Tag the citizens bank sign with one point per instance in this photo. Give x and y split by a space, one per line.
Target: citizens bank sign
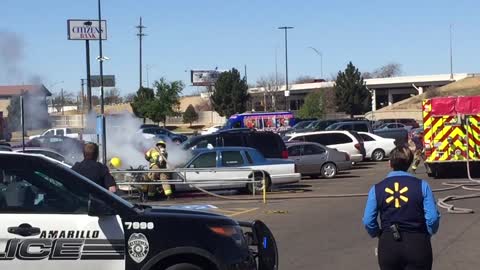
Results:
86 30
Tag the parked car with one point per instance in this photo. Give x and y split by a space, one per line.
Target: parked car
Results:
298 126
278 171
393 126
160 133
415 132
42 151
318 125
211 130
342 140
71 149
317 160
67 132
376 147
399 134
5 147
359 125
268 143
406 121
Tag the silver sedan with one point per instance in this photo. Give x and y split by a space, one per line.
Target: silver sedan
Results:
317 160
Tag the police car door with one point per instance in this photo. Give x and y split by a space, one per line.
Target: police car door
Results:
45 222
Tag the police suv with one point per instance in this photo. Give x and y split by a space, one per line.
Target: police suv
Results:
53 218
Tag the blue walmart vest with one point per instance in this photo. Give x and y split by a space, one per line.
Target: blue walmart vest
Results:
400 201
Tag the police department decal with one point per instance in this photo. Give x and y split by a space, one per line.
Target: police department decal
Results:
138 247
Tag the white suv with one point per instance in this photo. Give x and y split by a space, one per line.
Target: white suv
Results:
345 141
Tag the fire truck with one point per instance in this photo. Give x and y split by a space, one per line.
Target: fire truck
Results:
451 133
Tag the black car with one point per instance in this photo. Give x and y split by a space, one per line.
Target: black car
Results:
359 125
162 132
268 143
57 219
71 149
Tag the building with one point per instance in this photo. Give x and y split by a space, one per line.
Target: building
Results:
35 103
385 91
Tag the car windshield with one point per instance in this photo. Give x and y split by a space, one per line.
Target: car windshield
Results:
302 124
333 126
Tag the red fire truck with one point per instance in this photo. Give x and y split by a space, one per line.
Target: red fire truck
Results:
451 132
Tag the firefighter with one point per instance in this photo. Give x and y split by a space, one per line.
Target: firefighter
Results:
157 157
408 216
419 154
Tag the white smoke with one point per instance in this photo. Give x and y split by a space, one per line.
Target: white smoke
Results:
11 55
125 142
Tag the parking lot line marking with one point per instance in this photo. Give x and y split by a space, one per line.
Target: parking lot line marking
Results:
243 212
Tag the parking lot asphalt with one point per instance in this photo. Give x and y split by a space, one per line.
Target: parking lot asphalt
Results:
327 233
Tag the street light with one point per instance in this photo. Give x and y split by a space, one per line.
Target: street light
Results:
321 60
287 93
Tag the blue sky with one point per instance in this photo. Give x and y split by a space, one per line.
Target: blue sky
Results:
184 35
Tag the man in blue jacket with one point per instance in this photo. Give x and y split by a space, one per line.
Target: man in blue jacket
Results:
408 216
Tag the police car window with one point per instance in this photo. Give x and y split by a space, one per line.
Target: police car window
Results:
232 158
60 132
35 191
206 160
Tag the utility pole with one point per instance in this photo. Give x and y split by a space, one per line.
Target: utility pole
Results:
102 103
287 93
140 35
89 86
63 101
246 74
451 54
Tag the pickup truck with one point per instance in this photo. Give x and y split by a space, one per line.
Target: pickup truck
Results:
54 218
67 132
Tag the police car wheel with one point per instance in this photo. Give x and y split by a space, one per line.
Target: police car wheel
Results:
184 266
378 155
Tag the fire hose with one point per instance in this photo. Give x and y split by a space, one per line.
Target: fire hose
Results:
466 185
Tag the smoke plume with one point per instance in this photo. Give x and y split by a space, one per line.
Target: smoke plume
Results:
125 142
11 55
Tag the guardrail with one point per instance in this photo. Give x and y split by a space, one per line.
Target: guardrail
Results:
131 177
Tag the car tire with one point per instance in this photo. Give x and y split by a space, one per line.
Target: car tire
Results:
184 266
258 186
378 155
328 170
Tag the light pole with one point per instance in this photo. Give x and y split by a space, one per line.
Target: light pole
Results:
102 105
287 93
451 53
321 60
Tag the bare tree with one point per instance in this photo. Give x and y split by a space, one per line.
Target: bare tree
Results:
112 96
385 71
129 98
62 99
270 85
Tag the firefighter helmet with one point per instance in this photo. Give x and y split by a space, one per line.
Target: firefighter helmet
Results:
116 162
161 142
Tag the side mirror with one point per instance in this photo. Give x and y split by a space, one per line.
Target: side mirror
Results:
98 208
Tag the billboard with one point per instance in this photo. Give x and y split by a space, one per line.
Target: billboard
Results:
86 29
204 77
108 81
